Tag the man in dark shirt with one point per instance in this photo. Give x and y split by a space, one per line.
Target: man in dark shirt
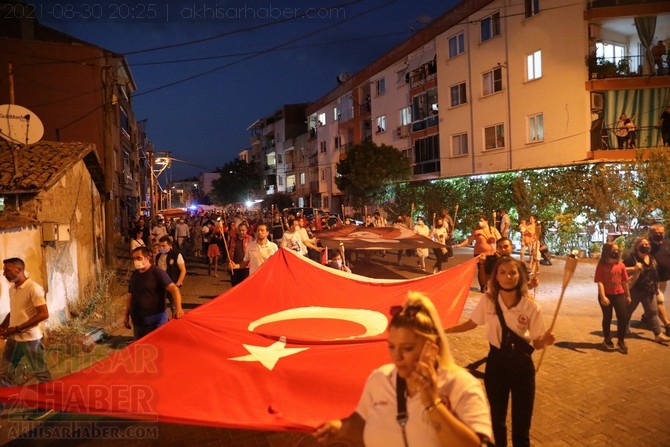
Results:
661 253
146 295
237 246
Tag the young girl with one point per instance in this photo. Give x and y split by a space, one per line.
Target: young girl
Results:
613 292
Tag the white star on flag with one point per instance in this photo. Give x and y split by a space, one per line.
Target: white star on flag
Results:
268 356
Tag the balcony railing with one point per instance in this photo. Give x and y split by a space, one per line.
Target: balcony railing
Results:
618 67
426 72
645 137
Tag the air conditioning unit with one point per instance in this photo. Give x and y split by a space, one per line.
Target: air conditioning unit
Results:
402 131
597 101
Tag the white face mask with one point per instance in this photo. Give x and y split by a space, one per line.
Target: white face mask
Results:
483 224
139 265
338 264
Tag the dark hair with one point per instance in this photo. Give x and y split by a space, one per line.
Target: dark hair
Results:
15 261
262 224
605 253
145 251
522 284
167 239
503 239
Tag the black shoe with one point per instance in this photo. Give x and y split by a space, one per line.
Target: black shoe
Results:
621 345
608 345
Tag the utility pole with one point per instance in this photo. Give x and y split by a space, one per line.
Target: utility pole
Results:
108 153
152 186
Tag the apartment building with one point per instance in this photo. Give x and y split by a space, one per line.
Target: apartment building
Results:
494 86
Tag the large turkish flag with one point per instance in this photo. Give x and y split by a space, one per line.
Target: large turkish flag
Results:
287 349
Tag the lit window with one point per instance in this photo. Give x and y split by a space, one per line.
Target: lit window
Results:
490 27
322 119
456 45
532 7
534 65
492 81
381 124
302 178
494 137
459 144
458 95
336 113
609 52
405 116
535 128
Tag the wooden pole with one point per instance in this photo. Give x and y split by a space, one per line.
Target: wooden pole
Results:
570 266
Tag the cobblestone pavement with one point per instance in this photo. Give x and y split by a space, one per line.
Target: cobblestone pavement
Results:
586 396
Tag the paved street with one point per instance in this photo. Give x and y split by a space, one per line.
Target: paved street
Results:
585 395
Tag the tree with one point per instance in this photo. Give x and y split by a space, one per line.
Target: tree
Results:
368 172
236 183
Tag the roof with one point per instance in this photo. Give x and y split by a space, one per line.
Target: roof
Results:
42 164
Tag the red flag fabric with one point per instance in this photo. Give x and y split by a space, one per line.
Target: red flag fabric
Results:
287 349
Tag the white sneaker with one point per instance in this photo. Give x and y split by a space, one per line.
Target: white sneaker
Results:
661 338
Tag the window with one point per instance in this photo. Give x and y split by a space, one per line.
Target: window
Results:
494 137
380 87
405 115
322 147
321 120
325 203
336 113
610 52
338 141
535 128
125 122
381 124
302 178
427 155
456 45
458 96
323 175
490 27
459 145
492 81
534 65
532 7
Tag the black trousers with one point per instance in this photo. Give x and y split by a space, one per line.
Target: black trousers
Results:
620 306
238 276
513 375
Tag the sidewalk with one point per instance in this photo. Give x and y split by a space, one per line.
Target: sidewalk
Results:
585 396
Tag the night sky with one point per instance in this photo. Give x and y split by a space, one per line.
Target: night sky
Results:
206 70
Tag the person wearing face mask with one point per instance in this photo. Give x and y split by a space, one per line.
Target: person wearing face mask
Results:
641 266
20 328
509 365
172 262
337 263
158 231
660 251
147 288
613 293
440 234
484 237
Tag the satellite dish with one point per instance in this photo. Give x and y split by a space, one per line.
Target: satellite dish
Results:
19 125
343 77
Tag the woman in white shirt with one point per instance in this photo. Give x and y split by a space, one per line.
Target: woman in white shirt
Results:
444 405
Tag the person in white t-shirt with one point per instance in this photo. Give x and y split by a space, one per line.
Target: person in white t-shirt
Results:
445 404
257 251
509 365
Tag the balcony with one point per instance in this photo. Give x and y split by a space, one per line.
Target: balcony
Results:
313 160
314 187
425 73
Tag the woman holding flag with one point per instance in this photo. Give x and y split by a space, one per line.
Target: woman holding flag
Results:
422 398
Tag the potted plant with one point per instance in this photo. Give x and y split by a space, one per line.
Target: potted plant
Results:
594 250
623 66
